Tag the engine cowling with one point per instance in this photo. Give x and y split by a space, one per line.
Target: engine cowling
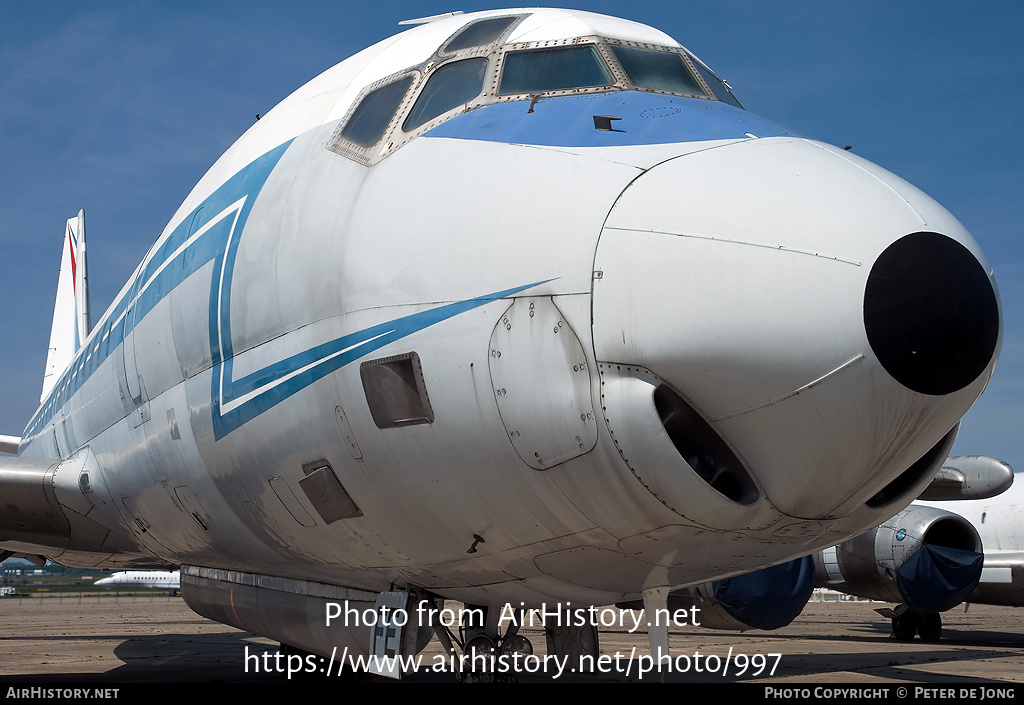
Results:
926 558
764 599
969 477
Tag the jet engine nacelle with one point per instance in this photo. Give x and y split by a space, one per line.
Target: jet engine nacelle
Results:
769 598
926 558
969 477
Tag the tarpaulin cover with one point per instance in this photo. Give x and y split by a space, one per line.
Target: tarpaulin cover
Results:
936 578
768 598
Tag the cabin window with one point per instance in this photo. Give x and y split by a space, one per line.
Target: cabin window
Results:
449 86
479 33
555 69
374 114
657 70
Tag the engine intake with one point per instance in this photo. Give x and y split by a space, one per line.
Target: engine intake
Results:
927 558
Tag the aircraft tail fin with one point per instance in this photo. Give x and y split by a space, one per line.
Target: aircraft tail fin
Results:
71 318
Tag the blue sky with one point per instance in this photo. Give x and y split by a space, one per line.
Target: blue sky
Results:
119 108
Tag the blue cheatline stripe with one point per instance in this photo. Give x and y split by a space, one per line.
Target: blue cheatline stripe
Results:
646 118
164 271
275 383
217 226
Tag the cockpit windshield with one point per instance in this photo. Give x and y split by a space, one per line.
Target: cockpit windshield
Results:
718 86
451 85
657 70
477 66
554 69
479 33
370 120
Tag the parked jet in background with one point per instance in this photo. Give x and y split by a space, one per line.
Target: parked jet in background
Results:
1000 523
615 335
927 557
932 556
143 579
886 562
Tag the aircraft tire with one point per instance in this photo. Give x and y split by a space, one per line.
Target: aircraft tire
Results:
930 627
904 626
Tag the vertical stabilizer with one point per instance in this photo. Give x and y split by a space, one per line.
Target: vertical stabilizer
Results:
71 319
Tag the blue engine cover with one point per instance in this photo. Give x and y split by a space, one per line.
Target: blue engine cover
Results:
936 578
768 598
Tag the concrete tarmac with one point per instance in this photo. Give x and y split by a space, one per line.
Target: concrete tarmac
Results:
156 639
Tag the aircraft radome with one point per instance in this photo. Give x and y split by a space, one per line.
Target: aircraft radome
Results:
516 307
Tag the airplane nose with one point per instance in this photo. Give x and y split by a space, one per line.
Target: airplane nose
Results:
804 327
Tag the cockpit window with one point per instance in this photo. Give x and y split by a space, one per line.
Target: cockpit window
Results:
477 67
479 33
451 85
657 70
372 117
717 85
559 68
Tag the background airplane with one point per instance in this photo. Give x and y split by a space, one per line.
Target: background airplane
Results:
934 555
929 558
143 580
926 556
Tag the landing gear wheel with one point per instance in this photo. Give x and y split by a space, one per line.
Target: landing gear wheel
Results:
930 627
904 626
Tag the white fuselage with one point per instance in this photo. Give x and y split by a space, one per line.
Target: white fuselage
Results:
548 279
146 579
